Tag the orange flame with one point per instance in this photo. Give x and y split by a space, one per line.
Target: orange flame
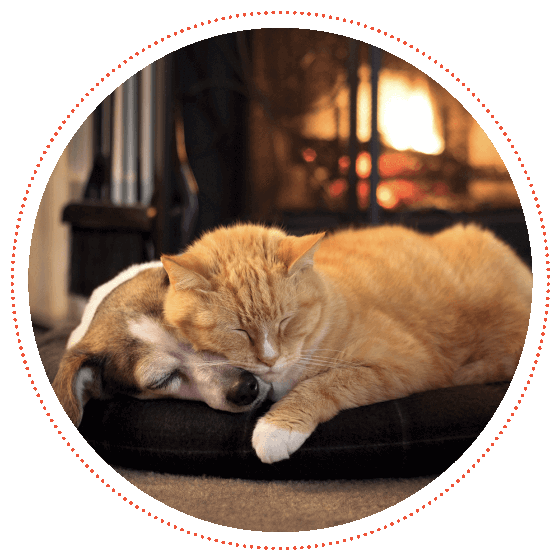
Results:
405 113
406 117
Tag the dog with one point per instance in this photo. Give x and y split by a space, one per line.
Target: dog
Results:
123 345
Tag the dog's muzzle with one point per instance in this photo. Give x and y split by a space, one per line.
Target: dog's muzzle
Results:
244 391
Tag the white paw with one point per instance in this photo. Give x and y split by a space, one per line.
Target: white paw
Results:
274 444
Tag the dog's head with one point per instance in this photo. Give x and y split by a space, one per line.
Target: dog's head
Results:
123 346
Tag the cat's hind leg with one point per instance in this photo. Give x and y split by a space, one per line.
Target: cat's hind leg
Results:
486 370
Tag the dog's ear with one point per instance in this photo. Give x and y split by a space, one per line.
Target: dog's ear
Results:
78 379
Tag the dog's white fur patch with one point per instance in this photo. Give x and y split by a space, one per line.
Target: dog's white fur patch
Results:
151 332
100 293
166 353
273 444
204 377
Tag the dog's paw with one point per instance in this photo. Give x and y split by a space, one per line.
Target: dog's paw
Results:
274 444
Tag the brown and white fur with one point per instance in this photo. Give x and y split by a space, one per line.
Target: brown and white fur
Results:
350 319
123 345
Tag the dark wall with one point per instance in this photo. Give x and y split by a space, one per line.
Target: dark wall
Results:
213 101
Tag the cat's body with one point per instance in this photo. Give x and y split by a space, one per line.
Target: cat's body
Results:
358 317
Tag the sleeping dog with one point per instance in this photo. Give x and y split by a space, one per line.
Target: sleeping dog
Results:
123 345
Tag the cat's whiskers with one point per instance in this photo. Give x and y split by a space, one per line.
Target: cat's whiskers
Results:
215 364
315 350
331 363
325 358
300 368
311 354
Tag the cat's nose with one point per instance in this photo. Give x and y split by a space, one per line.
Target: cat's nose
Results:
268 361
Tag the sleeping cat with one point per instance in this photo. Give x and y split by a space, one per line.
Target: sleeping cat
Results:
350 319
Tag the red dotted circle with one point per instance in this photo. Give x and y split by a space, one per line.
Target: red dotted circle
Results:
367 37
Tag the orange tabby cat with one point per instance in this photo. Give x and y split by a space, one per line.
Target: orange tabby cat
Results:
350 319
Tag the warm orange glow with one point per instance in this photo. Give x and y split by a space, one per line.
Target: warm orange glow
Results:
362 190
385 197
337 187
440 189
406 113
482 152
391 193
363 165
344 164
309 154
321 174
406 117
392 164
363 121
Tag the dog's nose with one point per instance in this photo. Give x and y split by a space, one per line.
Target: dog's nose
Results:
244 391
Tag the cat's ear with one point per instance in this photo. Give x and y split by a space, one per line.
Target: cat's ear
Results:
185 272
297 252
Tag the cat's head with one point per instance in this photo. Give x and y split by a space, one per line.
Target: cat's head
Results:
249 293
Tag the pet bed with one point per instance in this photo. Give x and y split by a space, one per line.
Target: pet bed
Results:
414 436
417 435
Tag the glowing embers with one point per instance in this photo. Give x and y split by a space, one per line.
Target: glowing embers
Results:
392 164
392 193
339 186
410 131
309 155
395 193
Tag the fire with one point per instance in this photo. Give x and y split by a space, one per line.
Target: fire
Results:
343 164
309 155
337 187
406 117
391 193
363 190
386 197
407 122
363 165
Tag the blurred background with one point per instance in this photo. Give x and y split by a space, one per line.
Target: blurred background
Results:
303 129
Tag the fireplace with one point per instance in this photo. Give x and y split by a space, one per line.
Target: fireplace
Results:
307 156
303 129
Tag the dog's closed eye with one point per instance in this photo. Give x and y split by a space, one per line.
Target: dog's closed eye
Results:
165 381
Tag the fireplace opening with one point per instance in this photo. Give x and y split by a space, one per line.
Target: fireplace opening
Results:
431 153
303 129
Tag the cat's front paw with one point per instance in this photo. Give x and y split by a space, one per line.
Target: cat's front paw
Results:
273 444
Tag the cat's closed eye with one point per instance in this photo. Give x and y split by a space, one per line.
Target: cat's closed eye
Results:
284 323
245 333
